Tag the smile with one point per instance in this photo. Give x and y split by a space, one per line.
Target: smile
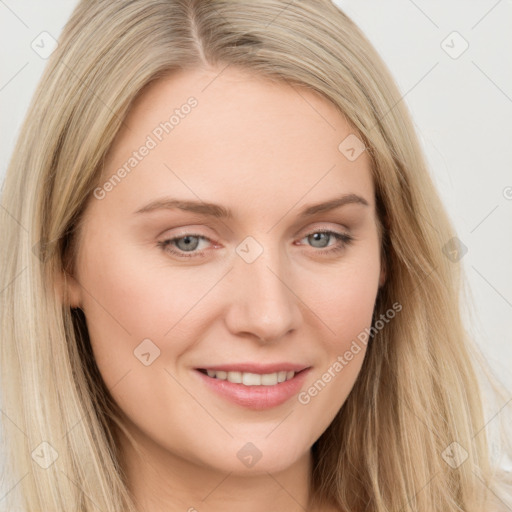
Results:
251 390
251 379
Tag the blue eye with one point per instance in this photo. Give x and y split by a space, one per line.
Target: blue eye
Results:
189 245
342 240
185 246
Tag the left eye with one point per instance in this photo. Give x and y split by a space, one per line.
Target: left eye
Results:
327 235
180 246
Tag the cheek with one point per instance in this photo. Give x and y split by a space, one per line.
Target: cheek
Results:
132 297
345 306
344 296
350 303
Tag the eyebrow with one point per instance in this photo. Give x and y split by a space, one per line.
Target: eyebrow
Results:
220 212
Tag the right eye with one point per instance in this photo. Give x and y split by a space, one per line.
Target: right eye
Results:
181 245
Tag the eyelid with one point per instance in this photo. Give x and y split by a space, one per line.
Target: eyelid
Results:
321 226
188 230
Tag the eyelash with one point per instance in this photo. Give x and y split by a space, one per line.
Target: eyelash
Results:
343 239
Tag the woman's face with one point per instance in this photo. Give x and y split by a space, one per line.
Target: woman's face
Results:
173 288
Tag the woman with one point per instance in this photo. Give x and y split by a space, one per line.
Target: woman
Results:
225 275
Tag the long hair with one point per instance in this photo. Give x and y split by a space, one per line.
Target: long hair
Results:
410 436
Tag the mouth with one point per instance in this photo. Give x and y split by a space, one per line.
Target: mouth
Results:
251 379
253 390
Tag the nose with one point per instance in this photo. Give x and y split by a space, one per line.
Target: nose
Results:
263 301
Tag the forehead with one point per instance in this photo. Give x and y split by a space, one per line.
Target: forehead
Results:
245 139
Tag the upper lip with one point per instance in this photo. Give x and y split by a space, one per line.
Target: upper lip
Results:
256 368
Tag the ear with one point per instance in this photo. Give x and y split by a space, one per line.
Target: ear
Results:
69 290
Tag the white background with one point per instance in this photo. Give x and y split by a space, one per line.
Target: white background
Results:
462 109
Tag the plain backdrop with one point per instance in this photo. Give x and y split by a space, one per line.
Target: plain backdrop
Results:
452 62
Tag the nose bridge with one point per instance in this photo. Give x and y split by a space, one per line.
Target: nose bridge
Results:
263 302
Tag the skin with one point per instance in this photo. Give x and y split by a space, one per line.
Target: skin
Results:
265 150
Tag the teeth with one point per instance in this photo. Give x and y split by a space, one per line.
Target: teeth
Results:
235 377
252 379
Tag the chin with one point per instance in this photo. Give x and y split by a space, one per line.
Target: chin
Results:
257 457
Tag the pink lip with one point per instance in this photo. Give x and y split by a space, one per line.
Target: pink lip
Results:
257 368
256 397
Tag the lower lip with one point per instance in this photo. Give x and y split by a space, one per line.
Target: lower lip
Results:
256 397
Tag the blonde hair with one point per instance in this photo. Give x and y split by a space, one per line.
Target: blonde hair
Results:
418 391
